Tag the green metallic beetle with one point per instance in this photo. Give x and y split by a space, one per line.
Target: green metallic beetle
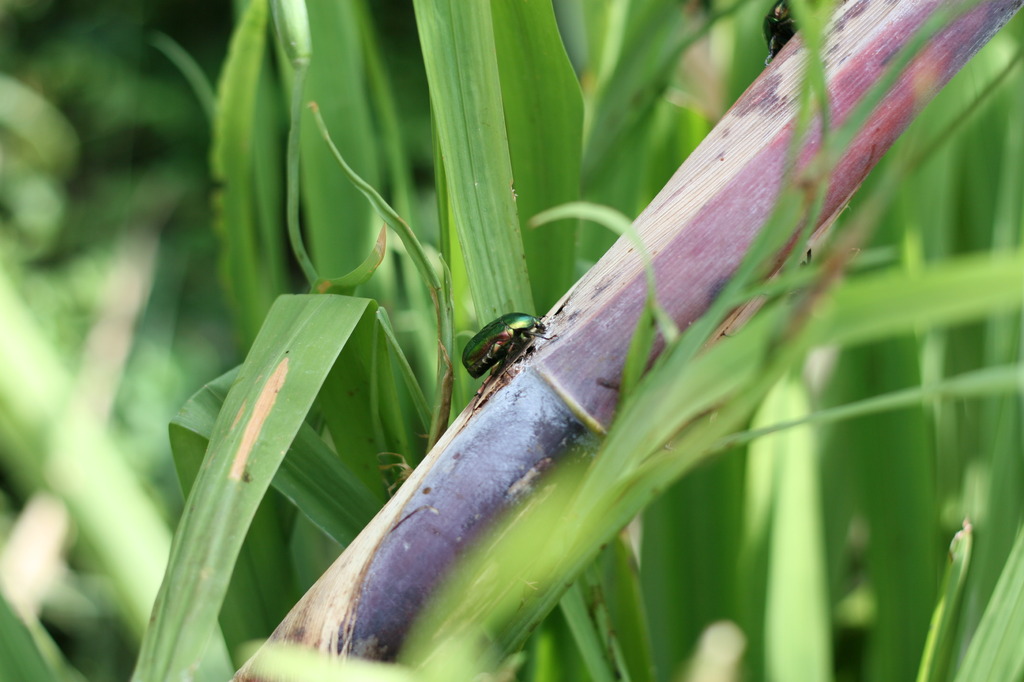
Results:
779 27
498 339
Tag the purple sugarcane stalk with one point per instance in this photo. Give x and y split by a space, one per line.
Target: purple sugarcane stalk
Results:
560 399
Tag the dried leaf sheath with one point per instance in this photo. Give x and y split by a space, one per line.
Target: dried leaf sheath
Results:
697 229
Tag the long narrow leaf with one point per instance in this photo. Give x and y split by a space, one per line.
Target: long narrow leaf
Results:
20 658
544 118
275 389
937 659
995 652
243 267
311 476
459 55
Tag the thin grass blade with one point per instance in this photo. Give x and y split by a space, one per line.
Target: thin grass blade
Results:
995 652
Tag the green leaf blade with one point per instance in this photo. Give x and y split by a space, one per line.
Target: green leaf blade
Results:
263 411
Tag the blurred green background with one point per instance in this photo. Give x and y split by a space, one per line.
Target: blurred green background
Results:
112 306
116 306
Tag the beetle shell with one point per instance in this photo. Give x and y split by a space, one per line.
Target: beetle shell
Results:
779 27
498 339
